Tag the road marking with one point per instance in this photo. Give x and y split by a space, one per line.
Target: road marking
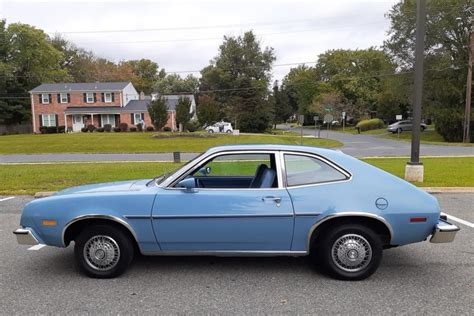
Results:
37 247
6 199
459 220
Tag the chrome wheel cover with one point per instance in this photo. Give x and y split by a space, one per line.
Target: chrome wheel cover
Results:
101 253
351 253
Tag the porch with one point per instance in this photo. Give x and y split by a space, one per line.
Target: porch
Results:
76 118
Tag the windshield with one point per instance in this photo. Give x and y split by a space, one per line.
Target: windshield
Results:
158 180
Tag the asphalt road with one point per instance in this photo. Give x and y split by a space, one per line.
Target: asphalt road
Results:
366 145
422 278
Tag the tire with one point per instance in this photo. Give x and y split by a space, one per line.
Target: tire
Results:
423 128
399 130
229 131
114 243
352 240
210 131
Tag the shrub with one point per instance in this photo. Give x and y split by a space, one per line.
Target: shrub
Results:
52 129
61 129
91 128
84 130
449 124
107 127
133 129
367 125
139 128
117 129
123 127
192 126
100 130
167 129
150 129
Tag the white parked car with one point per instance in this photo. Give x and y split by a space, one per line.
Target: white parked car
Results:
220 127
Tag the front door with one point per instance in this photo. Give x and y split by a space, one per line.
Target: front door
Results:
226 216
77 123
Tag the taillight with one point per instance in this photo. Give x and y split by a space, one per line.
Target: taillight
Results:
417 219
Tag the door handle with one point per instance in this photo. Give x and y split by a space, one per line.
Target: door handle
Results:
275 199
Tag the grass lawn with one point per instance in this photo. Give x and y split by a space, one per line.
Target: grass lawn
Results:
426 137
140 142
29 179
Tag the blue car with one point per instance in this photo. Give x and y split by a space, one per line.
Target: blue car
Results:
243 200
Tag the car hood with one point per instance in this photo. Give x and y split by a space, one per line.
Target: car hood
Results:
118 186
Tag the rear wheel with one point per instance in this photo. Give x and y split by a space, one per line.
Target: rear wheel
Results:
350 252
103 251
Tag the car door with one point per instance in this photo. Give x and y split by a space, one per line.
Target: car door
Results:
226 218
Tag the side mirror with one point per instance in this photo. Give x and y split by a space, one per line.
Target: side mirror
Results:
188 184
205 171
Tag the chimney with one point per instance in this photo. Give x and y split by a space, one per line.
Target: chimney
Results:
142 95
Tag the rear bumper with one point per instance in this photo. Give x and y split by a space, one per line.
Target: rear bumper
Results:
444 232
24 236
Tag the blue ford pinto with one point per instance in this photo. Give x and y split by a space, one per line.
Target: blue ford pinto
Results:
243 200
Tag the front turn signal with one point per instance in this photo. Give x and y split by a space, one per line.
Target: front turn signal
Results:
48 222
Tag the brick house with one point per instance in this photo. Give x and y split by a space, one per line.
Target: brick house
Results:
76 105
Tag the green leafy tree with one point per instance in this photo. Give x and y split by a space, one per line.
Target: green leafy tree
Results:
145 74
446 55
282 109
207 110
183 114
173 83
239 77
158 113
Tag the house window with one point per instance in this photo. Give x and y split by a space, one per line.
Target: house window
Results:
107 119
137 117
107 97
63 97
48 119
90 97
45 98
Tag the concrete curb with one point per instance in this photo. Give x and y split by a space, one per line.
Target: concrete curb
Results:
448 189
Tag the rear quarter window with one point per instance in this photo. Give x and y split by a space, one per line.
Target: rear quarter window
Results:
302 170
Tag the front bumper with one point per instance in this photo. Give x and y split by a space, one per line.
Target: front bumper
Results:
24 236
444 232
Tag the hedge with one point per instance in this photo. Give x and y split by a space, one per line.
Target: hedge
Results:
367 125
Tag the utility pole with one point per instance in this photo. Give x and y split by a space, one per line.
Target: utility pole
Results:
467 112
414 168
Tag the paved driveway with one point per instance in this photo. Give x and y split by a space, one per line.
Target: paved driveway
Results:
422 278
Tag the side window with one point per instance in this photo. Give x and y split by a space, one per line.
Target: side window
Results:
301 170
236 165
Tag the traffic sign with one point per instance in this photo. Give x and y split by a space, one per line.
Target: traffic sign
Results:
328 118
398 117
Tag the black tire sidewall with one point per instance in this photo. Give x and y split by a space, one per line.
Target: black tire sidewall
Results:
124 243
332 235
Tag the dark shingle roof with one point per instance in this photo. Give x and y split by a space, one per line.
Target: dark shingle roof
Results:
141 105
82 86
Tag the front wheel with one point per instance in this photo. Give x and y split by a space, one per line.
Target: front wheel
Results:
103 251
210 131
351 252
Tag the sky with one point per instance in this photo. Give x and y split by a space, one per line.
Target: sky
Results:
183 36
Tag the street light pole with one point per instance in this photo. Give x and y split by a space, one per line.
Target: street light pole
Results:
467 112
414 168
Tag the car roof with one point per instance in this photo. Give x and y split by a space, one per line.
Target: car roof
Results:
279 147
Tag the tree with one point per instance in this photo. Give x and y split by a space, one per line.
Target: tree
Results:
27 58
282 109
238 77
207 110
358 75
183 114
145 74
158 113
173 83
447 31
